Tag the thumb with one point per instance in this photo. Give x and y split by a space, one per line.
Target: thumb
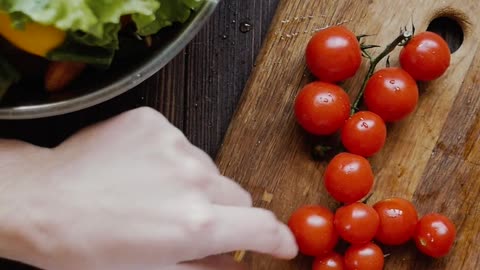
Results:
221 262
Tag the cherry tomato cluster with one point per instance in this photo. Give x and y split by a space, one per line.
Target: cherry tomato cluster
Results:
324 108
390 94
391 222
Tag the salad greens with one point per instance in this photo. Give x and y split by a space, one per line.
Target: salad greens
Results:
99 20
93 26
170 11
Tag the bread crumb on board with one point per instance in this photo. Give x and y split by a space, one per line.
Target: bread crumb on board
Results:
239 255
267 197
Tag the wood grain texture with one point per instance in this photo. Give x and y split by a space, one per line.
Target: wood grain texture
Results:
432 157
198 91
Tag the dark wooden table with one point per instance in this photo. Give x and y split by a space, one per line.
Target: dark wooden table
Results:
198 91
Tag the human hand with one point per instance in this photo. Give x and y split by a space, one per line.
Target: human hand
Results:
133 193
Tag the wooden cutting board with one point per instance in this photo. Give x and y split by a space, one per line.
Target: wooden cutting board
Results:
432 158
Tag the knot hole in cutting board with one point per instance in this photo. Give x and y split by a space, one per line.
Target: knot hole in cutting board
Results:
451 25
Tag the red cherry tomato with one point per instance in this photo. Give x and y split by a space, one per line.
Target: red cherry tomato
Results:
313 229
435 235
356 223
364 134
332 261
348 177
364 257
391 93
426 56
322 108
333 54
398 219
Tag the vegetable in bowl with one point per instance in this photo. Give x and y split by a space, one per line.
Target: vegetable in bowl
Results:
71 36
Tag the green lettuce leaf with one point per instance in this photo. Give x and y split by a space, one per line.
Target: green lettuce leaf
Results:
87 16
93 26
74 51
109 40
19 20
170 11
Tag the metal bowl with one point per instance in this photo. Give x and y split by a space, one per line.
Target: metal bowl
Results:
96 87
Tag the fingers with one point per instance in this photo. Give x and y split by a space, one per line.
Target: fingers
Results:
224 191
217 188
201 156
253 229
222 262
220 189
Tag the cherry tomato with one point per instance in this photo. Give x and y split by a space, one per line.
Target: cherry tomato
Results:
426 56
333 54
392 94
332 261
313 229
364 257
322 108
356 223
348 177
435 235
364 134
398 219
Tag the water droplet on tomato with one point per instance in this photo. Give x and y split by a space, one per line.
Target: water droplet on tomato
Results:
397 88
365 125
392 81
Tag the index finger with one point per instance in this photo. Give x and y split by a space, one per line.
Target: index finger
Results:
253 229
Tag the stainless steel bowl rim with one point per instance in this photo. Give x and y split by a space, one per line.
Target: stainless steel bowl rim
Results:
123 84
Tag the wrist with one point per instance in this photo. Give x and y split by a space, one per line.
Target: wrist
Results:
20 218
16 242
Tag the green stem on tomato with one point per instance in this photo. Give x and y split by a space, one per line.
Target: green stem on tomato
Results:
403 37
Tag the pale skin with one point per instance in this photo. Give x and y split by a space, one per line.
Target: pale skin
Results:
126 194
